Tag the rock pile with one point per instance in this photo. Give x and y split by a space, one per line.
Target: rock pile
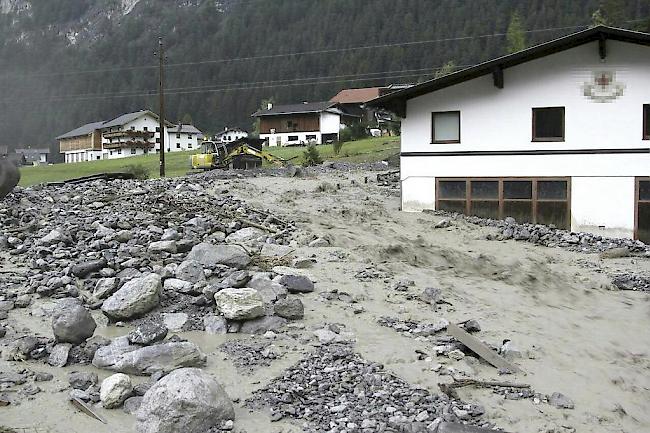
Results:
335 389
168 253
550 236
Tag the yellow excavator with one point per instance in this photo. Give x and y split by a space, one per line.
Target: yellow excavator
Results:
241 154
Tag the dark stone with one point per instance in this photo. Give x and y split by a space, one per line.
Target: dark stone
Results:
84 269
297 283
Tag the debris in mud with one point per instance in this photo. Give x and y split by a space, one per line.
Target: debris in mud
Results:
550 236
413 328
248 355
334 389
632 282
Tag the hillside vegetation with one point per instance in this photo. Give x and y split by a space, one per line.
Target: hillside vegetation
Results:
226 56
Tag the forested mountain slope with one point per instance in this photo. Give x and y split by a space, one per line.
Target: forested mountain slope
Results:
48 47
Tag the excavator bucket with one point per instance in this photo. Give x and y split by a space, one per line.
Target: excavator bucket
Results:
9 177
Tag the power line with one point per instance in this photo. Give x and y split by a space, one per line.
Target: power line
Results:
242 86
300 53
315 79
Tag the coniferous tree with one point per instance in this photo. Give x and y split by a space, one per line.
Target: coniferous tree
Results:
516 36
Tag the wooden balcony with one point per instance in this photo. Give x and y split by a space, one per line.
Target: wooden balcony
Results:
129 133
129 144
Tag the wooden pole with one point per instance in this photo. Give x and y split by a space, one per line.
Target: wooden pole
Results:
161 95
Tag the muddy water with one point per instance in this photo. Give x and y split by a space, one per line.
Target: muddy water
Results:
578 337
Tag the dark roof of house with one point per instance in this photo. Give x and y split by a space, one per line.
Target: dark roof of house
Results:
34 151
306 107
396 101
356 96
118 121
126 118
185 129
86 129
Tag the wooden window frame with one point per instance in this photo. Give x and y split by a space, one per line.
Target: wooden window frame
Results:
549 139
637 201
502 200
645 134
433 128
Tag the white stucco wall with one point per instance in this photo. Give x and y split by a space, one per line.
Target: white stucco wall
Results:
603 205
284 138
495 119
501 119
330 123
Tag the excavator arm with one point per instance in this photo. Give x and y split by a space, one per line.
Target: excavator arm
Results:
245 149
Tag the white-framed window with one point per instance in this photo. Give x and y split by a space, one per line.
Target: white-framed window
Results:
445 127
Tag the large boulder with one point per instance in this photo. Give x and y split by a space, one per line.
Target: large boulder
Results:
135 298
72 323
290 308
148 333
83 269
190 270
114 390
239 304
262 325
247 234
187 400
297 283
210 255
126 358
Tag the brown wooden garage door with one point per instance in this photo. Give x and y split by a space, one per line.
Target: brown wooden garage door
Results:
642 214
535 200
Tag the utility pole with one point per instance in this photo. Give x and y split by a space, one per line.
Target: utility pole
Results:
161 96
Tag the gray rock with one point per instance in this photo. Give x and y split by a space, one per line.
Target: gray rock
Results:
114 390
472 326
190 270
319 242
297 283
178 285
132 404
175 321
59 355
237 279
215 324
82 380
7 305
55 237
23 301
187 400
267 288
163 247
560 401
262 325
148 333
290 308
122 357
210 255
84 269
72 323
247 234
274 250
135 298
105 287
431 295
239 304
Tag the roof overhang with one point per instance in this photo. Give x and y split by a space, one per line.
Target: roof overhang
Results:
396 101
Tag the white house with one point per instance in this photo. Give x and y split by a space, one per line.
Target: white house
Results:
127 135
557 134
309 122
228 135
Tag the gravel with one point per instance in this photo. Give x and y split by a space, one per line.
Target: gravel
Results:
335 390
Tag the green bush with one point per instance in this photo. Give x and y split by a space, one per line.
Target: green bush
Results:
138 171
337 146
312 156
